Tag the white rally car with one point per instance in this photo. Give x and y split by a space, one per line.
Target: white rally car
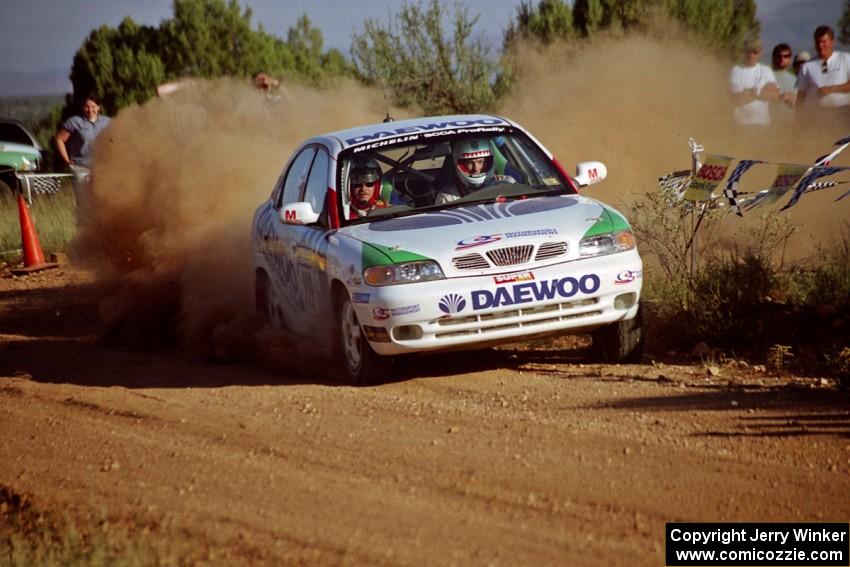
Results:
473 235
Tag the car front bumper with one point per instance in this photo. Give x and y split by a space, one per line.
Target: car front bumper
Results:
570 297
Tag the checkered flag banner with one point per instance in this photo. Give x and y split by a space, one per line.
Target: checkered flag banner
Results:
675 182
730 191
818 185
41 183
808 179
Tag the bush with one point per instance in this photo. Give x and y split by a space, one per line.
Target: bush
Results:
419 64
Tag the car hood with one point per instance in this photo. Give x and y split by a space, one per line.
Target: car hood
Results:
10 147
451 234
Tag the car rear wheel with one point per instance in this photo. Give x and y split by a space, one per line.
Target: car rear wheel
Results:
620 342
362 364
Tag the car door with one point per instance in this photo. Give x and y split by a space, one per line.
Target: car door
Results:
309 243
289 288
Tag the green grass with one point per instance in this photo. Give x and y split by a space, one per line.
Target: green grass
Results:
52 215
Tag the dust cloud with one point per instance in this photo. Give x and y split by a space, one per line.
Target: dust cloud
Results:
633 102
177 180
175 186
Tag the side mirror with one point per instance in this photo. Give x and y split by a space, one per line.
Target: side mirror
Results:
590 172
299 213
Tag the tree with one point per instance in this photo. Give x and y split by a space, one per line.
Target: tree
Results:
724 23
211 38
116 64
844 24
588 15
419 63
549 21
305 42
205 38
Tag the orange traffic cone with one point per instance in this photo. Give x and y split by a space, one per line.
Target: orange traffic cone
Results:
33 256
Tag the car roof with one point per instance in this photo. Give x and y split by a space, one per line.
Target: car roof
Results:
398 128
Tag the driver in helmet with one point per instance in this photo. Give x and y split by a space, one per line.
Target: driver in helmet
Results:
364 187
474 168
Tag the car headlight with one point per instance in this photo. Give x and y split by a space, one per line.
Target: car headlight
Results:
407 272
606 243
27 165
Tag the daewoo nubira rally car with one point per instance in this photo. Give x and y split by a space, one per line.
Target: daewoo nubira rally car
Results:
442 233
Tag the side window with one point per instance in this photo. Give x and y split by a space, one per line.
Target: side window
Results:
317 183
296 176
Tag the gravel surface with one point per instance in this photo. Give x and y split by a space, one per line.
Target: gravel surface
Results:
523 455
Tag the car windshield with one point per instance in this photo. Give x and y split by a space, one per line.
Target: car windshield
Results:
11 132
444 172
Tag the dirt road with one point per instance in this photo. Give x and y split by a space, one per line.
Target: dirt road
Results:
517 456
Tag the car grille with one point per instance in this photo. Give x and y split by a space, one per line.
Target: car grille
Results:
529 317
470 262
551 250
510 256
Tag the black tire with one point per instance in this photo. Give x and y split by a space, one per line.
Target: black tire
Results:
620 342
267 309
362 365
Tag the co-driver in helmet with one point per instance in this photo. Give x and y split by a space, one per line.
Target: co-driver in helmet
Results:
364 187
474 168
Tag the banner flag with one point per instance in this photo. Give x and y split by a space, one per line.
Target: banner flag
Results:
730 191
787 177
815 173
709 176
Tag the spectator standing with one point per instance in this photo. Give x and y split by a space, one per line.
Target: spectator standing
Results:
801 58
752 85
75 142
824 82
75 138
782 71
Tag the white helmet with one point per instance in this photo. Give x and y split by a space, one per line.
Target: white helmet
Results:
466 154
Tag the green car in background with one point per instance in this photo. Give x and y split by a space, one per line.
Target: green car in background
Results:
19 152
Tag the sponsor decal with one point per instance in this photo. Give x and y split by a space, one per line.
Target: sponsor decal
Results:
535 291
382 313
477 241
628 276
431 126
354 281
360 298
452 303
513 278
488 238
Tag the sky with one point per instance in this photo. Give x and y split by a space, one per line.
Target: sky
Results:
38 38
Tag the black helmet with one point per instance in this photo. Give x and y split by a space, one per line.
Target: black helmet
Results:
364 170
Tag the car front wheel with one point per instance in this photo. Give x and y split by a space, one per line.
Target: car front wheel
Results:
362 364
620 342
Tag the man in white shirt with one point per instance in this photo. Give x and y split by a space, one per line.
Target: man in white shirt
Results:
753 86
824 82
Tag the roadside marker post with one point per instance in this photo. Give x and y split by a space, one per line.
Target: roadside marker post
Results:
33 255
